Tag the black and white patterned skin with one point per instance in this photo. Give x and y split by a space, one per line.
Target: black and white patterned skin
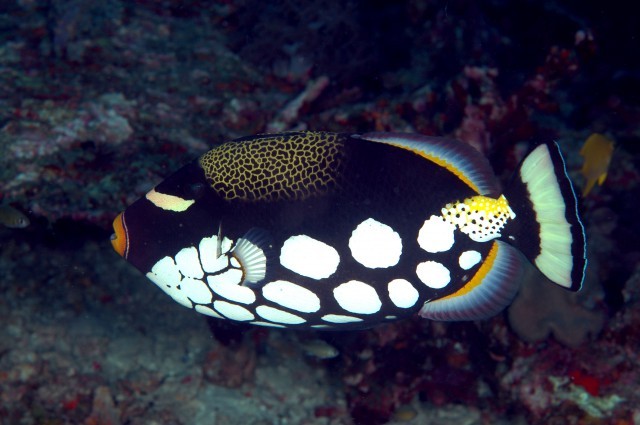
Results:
349 254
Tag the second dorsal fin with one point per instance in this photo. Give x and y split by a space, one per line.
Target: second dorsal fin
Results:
458 157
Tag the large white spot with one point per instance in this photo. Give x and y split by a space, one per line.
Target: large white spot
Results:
309 257
166 271
189 264
436 235
339 318
208 311
232 291
233 311
226 245
433 274
357 297
196 290
292 296
402 293
469 259
231 277
211 263
375 245
166 275
279 316
170 289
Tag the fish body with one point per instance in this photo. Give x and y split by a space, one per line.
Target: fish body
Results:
597 152
342 231
13 218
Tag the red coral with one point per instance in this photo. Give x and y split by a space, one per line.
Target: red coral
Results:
590 383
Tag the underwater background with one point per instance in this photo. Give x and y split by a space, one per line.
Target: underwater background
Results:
101 99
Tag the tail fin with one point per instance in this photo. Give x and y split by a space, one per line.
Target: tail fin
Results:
547 228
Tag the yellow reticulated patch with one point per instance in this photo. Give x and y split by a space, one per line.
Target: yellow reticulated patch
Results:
480 217
290 166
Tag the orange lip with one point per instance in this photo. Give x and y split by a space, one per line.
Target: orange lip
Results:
119 239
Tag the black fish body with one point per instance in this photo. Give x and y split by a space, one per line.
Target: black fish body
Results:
329 230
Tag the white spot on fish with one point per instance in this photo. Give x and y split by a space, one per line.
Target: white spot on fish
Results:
433 274
208 311
196 290
166 275
278 316
357 297
436 235
375 245
233 311
292 296
232 291
309 257
231 277
339 318
211 263
188 263
402 293
272 325
469 259
167 271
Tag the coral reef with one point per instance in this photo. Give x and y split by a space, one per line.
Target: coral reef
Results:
541 309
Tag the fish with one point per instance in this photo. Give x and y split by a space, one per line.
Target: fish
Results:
13 218
597 152
405 413
319 348
341 231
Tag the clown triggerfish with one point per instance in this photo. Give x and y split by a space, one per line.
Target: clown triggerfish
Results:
343 231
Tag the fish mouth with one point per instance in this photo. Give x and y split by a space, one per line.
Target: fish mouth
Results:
120 239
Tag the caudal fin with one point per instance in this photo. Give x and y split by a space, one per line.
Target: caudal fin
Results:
547 227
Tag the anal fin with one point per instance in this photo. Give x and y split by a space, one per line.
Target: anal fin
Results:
487 293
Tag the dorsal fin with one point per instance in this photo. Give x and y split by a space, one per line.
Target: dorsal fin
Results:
456 156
